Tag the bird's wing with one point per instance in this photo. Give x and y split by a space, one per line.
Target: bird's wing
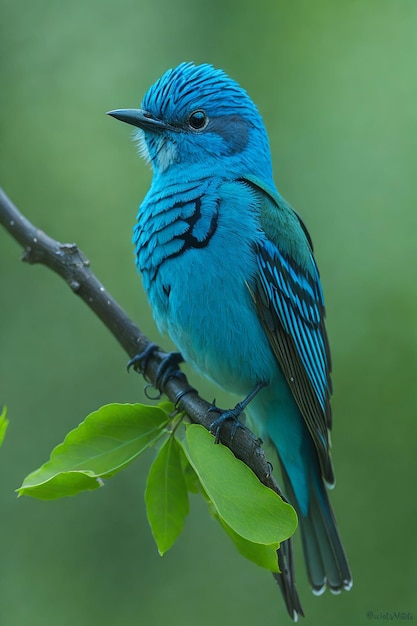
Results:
289 301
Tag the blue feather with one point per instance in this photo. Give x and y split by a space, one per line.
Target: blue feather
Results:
229 271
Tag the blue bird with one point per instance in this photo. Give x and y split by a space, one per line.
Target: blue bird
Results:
229 271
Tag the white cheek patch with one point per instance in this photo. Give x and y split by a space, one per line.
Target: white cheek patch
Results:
140 141
164 151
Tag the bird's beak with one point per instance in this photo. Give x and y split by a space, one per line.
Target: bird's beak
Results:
138 117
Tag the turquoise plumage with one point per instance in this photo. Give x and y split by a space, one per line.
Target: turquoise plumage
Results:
229 271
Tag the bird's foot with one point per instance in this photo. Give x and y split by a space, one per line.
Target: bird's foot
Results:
233 414
141 360
230 414
168 367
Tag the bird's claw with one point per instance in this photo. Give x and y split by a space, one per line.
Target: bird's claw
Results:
168 367
230 414
233 414
141 359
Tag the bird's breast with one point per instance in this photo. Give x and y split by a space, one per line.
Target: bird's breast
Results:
197 257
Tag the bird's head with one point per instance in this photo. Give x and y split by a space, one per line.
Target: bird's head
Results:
196 116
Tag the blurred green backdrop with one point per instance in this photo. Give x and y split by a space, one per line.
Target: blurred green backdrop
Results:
336 84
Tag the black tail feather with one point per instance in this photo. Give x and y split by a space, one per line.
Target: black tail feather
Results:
286 580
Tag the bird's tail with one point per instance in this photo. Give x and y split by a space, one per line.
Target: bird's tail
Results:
325 557
286 580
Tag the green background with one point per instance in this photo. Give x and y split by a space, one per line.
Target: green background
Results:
336 84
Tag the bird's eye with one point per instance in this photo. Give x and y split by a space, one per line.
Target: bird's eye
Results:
198 120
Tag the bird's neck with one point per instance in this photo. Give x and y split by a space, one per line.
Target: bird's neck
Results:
170 186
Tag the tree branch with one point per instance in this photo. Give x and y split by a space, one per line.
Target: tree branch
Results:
71 264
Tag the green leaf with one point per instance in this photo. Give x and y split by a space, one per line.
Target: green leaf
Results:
245 507
166 495
192 481
4 422
65 484
263 555
103 444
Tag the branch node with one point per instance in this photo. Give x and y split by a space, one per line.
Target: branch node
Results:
70 248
